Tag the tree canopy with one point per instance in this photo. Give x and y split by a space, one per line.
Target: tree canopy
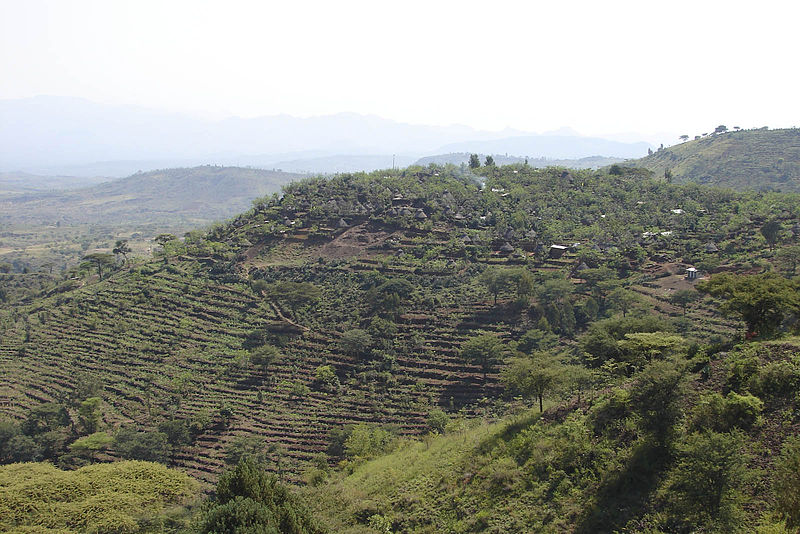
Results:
761 300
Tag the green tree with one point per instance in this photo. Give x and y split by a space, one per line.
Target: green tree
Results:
789 258
623 300
177 432
163 239
250 501
656 398
771 232
293 294
761 300
325 378
703 489
684 297
239 515
140 445
495 280
355 342
639 348
367 441
100 260
90 445
437 421
90 415
523 283
534 377
484 350
252 448
489 162
121 248
264 356
474 161
45 417
15 446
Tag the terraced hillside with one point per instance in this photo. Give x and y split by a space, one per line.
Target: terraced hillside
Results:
759 160
164 341
401 258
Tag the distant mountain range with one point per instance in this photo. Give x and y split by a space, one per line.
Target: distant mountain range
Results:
760 159
72 136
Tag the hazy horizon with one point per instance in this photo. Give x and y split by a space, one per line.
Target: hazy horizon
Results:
616 70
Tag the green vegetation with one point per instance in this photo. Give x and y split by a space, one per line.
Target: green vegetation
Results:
250 501
625 460
118 497
760 159
51 230
435 351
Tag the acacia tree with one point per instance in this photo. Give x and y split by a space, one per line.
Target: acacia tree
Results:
495 279
761 300
623 299
483 350
535 376
121 248
789 258
684 297
100 260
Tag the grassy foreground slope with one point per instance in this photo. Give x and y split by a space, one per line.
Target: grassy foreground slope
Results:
760 160
120 497
598 464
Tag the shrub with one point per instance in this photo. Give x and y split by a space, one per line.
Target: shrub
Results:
722 414
366 441
610 413
146 446
99 498
741 367
703 490
325 378
251 501
776 380
437 421
787 483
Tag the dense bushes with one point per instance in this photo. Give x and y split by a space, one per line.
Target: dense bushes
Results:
723 414
102 498
250 501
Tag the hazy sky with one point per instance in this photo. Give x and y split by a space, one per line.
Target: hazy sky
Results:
597 66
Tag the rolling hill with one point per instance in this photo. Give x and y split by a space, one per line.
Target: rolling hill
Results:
759 159
318 327
198 195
